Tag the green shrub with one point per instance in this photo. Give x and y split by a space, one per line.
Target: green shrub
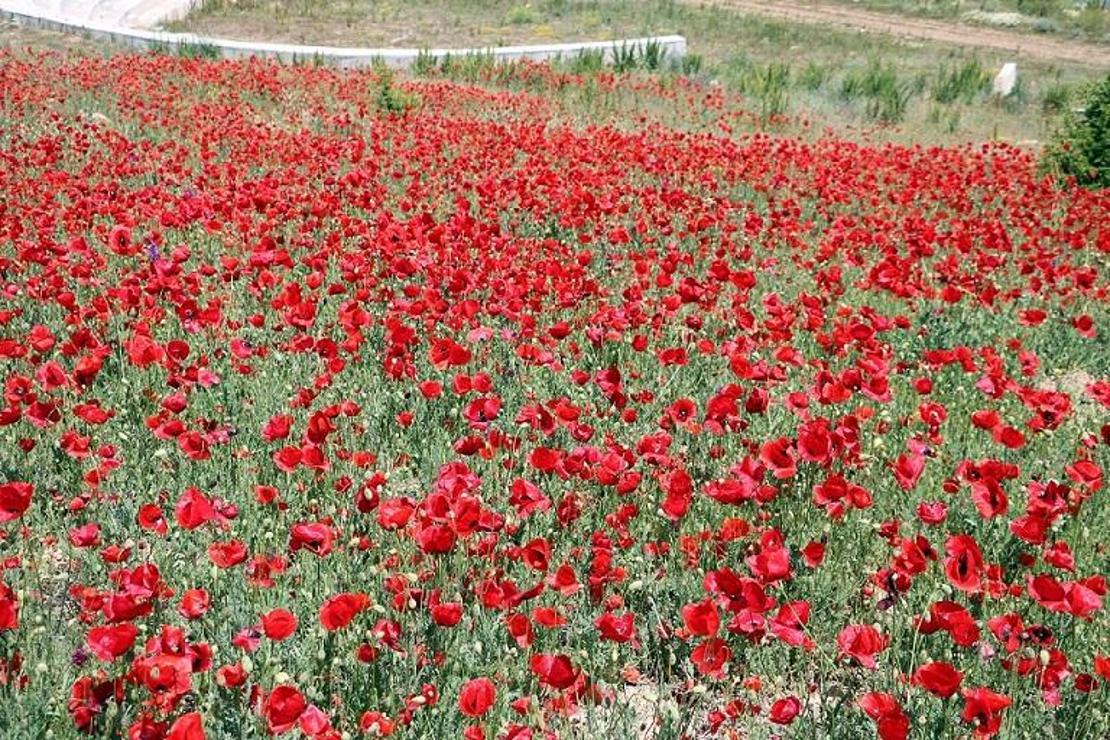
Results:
1094 21
390 99
624 58
1055 98
588 61
1081 145
1039 8
469 67
651 56
689 65
520 15
191 50
770 86
964 82
424 64
886 96
813 76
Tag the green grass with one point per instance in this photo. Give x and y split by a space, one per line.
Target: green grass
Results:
931 93
790 73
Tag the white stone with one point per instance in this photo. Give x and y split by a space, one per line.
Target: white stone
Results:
1005 80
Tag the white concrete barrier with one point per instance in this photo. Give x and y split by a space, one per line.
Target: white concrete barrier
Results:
669 47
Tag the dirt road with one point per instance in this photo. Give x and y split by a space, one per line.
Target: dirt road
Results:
1028 45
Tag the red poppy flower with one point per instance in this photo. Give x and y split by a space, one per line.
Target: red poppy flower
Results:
279 624
448 614
108 643
862 642
908 470
785 710
616 628
476 697
339 611
678 494
15 499
710 657
555 671
701 619
282 708
964 563
939 678
187 727
194 509
890 721
194 603
983 710
227 554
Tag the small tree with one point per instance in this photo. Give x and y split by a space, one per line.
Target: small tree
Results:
1081 145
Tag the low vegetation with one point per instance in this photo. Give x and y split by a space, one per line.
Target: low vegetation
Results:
1081 146
824 77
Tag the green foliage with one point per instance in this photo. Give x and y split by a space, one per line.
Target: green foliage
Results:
946 117
424 64
624 58
1055 98
964 82
1094 20
1081 146
885 95
389 98
467 67
651 56
813 76
770 87
588 61
185 49
691 64
520 15
1039 8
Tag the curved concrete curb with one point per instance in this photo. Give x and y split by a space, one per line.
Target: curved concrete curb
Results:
670 47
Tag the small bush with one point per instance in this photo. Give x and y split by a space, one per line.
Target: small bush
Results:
424 64
1055 98
1045 25
813 76
965 82
1039 8
198 50
1094 21
772 89
470 67
690 64
388 97
1081 145
624 58
651 56
520 15
588 61
887 97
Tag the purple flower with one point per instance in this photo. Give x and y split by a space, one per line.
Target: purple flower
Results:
80 657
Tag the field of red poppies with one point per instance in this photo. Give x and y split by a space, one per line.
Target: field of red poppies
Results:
334 417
